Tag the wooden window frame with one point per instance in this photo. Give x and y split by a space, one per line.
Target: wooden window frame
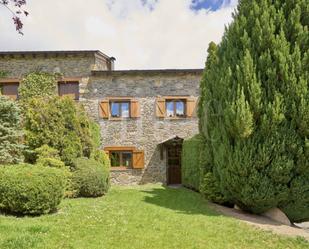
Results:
105 108
190 104
135 164
10 81
174 101
120 102
121 165
70 81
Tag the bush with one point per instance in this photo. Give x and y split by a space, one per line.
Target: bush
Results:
190 165
37 84
61 124
90 178
10 134
210 189
48 157
254 108
29 189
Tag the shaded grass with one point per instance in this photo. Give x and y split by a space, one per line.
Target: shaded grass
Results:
148 216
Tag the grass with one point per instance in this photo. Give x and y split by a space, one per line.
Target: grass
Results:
143 217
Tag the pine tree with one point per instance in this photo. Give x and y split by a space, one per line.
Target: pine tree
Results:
254 109
10 135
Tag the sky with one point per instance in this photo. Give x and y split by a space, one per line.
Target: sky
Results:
140 34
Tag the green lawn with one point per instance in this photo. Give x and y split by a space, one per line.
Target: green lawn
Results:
143 217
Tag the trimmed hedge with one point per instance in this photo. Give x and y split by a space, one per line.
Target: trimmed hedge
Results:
90 178
30 189
191 166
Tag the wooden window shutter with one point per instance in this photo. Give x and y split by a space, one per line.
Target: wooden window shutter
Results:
138 159
160 107
104 109
135 109
191 107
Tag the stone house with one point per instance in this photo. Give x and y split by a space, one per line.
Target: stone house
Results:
144 115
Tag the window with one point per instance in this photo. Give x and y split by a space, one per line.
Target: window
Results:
120 109
121 159
69 89
125 157
10 89
175 108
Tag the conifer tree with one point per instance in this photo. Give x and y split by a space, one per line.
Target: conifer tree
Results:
10 135
254 109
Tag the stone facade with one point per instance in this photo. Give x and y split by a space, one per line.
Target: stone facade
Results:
98 81
147 132
67 63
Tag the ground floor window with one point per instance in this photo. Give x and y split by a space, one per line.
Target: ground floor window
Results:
121 159
125 157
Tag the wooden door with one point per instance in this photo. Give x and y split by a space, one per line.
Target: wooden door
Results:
174 164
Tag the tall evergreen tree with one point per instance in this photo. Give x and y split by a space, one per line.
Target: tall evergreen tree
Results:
254 110
10 132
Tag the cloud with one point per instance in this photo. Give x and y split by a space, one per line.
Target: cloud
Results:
141 34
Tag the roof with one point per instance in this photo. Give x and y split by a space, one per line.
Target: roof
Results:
57 52
147 71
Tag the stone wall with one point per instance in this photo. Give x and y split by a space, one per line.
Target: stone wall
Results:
70 65
144 133
148 131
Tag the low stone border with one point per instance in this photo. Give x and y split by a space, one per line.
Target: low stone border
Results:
262 222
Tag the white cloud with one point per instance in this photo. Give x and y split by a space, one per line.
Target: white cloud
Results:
156 34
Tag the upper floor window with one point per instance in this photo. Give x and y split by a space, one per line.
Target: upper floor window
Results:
10 89
70 88
175 108
120 109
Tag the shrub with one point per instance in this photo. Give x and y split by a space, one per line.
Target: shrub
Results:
90 179
61 124
28 189
48 157
254 108
10 134
101 157
210 189
36 85
190 165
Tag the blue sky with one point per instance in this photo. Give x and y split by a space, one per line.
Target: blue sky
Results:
208 4
140 34
195 5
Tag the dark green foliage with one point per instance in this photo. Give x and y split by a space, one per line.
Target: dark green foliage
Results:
210 189
190 162
36 85
90 178
59 123
10 132
254 107
29 189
